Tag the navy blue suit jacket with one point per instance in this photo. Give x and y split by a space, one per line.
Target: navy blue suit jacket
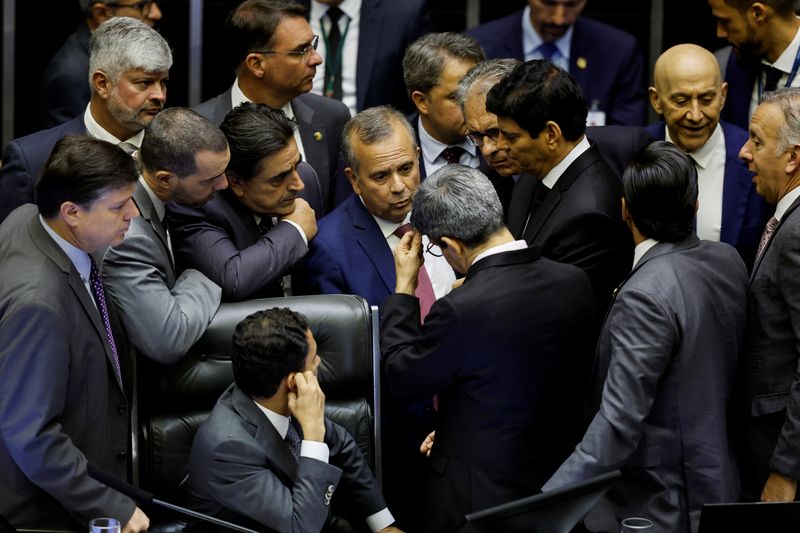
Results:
611 73
65 84
744 213
741 77
23 160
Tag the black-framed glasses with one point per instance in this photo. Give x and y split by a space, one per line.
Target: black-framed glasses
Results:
475 138
305 52
435 252
143 6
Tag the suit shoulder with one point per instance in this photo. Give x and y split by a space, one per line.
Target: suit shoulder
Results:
214 109
322 104
492 30
44 140
332 225
603 33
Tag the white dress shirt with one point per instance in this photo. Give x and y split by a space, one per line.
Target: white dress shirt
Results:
784 63
531 42
641 249
432 152
786 202
99 132
552 177
500 248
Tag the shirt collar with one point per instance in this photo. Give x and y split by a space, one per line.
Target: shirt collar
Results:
432 149
552 177
500 248
157 203
786 202
641 249
238 98
702 156
387 227
279 422
78 257
785 61
99 132
531 40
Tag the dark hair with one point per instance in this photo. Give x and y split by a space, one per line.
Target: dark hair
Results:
81 169
425 58
268 346
538 91
173 139
254 132
660 189
784 8
252 24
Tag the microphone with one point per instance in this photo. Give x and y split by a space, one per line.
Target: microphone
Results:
141 496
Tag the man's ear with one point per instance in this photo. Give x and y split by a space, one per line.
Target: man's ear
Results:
70 212
255 65
236 186
353 179
758 12
98 13
101 84
793 164
655 101
723 94
291 382
552 133
626 215
420 101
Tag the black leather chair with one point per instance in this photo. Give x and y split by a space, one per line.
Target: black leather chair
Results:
175 400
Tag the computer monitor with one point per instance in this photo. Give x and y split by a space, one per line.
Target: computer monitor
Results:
778 517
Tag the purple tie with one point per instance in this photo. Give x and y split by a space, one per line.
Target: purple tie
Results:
769 229
100 300
424 286
452 154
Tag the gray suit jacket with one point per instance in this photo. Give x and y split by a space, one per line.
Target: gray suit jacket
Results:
241 469
668 351
60 402
163 315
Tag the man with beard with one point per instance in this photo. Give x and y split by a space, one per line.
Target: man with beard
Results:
129 65
183 159
765 41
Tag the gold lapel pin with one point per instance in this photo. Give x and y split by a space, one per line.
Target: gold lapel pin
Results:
581 62
317 135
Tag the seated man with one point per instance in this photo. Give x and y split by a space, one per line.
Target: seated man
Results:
267 456
500 350
665 361
232 239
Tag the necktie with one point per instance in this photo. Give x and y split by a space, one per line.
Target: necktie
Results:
292 439
548 50
100 299
452 154
333 55
769 229
424 286
265 225
128 147
539 192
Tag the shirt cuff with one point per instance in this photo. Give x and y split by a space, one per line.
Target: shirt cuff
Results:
380 520
299 229
315 450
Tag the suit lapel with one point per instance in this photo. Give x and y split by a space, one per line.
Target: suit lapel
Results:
368 44
785 217
148 213
537 220
579 49
520 205
371 240
315 143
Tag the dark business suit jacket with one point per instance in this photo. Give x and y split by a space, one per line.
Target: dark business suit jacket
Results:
618 144
60 402
23 160
65 85
499 351
665 364
579 222
744 213
242 470
320 121
772 389
741 76
611 74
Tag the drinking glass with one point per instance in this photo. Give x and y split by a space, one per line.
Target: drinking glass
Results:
104 525
637 525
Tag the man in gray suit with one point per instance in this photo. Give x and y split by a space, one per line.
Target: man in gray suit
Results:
771 463
666 360
65 376
183 160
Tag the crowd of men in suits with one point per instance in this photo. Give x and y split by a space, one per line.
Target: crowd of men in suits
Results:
563 291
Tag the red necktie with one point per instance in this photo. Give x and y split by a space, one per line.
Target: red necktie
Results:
424 286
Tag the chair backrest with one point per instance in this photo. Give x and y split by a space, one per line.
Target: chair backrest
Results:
176 399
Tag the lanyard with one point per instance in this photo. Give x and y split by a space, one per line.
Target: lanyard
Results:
336 62
789 80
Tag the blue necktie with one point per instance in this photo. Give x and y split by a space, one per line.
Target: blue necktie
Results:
548 50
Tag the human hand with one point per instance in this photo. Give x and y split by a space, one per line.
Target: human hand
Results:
138 522
779 488
303 216
407 262
427 444
307 404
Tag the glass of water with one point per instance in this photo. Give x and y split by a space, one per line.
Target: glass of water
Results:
637 525
104 525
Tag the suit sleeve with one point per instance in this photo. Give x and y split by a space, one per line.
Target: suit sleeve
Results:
322 272
16 182
642 340
34 377
162 323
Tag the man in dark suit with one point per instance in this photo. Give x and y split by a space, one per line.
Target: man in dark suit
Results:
65 85
266 455
666 360
498 351
765 41
604 61
66 378
432 67
232 239
130 64
273 50
567 203
365 70
689 94
771 398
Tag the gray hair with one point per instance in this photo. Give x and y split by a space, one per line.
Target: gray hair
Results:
424 58
121 44
788 100
483 77
458 202
370 126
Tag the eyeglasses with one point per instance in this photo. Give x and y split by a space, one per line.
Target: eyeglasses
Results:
143 6
475 138
430 250
305 52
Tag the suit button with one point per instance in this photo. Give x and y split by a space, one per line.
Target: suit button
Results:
122 408
121 456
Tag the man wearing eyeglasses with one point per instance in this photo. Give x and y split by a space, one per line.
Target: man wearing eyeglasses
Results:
273 51
65 91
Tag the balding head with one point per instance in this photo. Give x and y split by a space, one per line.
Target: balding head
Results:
689 93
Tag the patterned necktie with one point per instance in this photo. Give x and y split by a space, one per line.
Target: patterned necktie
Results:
292 439
128 147
548 50
772 75
424 286
100 300
769 229
334 56
452 154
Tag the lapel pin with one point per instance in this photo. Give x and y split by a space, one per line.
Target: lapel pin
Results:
317 135
581 62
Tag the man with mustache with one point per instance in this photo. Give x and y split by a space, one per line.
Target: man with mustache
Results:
606 62
129 66
765 41
250 236
183 158
688 92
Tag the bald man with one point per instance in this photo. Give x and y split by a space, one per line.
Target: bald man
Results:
689 94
